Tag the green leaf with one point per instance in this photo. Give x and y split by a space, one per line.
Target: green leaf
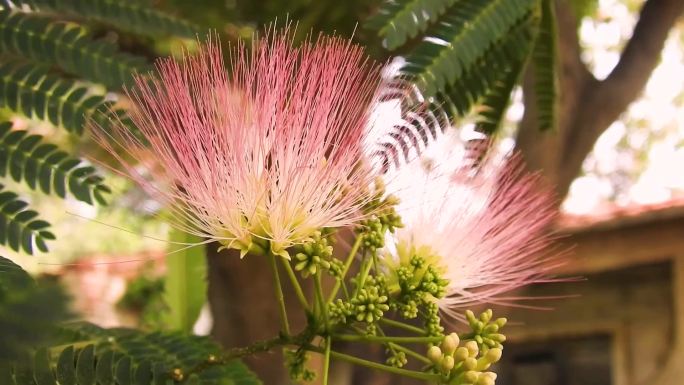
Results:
44 166
545 73
185 285
29 314
399 20
462 36
19 226
129 15
38 37
30 89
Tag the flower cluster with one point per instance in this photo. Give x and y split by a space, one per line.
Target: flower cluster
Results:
262 156
269 158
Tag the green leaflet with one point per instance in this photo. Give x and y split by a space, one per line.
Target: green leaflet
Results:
33 91
69 46
185 285
43 166
29 313
398 21
129 15
20 227
545 73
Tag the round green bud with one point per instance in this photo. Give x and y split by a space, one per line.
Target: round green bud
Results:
501 322
450 343
447 363
497 337
491 328
482 380
486 316
470 316
493 355
470 376
472 347
491 375
434 354
461 354
470 363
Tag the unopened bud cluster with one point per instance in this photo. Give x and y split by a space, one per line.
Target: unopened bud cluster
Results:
313 256
485 331
463 363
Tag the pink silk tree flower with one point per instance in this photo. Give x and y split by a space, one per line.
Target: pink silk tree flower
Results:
260 156
483 227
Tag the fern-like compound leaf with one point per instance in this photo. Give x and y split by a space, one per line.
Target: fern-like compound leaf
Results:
30 89
43 166
545 73
69 46
20 227
400 20
129 15
93 355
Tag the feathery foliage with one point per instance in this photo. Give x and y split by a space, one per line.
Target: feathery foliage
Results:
127 357
68 46
544 58
36 350
468 53
401 20
44 166
20 227
32 90
128 15
29 312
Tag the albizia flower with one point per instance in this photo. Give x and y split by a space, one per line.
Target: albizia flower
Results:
484 228
261 155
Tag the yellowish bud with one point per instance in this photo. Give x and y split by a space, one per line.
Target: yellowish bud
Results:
450 343
447 363
461 354
472 347
434 354
470 363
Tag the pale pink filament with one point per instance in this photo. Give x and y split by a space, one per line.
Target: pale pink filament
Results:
268 149
489 229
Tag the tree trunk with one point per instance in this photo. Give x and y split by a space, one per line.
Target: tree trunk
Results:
587 105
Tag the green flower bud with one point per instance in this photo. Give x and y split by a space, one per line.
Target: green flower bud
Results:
482 380
491 328
493 355
461 354
471 376
447 363
450 343
472 347
434 354
470 363
486 316
501 322
498 337
491 375
470 316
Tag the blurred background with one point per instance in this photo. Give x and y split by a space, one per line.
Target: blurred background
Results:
621 194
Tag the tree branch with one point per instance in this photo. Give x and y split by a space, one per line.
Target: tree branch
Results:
602 102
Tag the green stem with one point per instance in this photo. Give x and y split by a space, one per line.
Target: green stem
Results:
279 294
382 339
295 283
367 264
410 352
347 265
377 366
326 362
402 325
319 298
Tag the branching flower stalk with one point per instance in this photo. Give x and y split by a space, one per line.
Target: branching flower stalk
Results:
269 159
